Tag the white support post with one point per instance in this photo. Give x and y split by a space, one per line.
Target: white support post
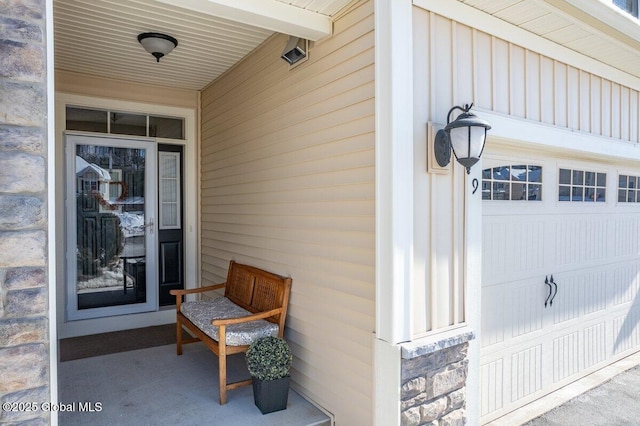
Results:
394 199
394 169
473 289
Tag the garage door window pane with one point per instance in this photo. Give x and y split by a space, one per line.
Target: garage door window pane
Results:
577 193
512 183
500 191
501 173
578 177
518 191
535 193
519 173
585 186
486 190
622 181
628 191
535 174
563 193
590 194
602 180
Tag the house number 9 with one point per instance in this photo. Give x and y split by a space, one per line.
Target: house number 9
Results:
475 184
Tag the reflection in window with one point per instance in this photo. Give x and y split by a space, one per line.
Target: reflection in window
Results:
166 127
124 123
630 6
580 185
86 120
516 182
628 189
128 124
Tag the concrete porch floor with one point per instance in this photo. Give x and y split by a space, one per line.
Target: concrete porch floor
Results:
154 386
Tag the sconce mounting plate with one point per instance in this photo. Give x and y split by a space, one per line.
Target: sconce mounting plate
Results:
433 165
442 148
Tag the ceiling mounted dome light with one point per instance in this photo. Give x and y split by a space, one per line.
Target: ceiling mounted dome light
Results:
157 44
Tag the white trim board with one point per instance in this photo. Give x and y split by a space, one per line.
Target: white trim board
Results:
268 14
515 132
51 212
394 174
481 21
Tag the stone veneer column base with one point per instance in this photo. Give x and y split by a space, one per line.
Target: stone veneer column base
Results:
433 379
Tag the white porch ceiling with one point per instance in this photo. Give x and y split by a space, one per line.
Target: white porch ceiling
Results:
100 38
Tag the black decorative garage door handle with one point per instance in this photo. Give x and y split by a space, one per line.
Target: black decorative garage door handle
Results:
556 292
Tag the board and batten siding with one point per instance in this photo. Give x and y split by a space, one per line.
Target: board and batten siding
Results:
288 185
455 64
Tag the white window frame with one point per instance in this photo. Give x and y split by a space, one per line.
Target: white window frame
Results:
162 181
583 186
618 188
510 181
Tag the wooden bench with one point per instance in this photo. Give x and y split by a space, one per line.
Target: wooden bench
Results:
254 305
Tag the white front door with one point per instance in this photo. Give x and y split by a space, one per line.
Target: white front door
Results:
111 187
561 273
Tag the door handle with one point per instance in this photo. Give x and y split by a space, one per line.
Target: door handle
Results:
149 225
556 292
546 281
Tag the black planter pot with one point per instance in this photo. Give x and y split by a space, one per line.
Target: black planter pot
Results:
271 395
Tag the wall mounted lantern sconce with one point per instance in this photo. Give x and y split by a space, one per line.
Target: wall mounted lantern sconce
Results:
157 44
465 136
295 50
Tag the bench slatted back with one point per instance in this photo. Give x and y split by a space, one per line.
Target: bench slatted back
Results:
257 290
240 283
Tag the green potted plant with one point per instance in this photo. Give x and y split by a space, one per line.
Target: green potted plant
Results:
269 360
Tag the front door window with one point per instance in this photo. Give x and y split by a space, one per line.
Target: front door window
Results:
111 199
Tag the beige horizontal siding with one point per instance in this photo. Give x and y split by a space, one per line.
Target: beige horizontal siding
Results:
91 85
288 185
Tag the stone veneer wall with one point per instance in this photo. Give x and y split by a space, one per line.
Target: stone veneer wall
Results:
433 383
24 336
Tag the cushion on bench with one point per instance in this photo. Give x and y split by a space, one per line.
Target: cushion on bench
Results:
202 312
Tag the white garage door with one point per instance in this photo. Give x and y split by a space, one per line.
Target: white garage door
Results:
561 274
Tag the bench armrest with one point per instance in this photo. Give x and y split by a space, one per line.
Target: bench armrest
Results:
179 293
197 290
248 318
